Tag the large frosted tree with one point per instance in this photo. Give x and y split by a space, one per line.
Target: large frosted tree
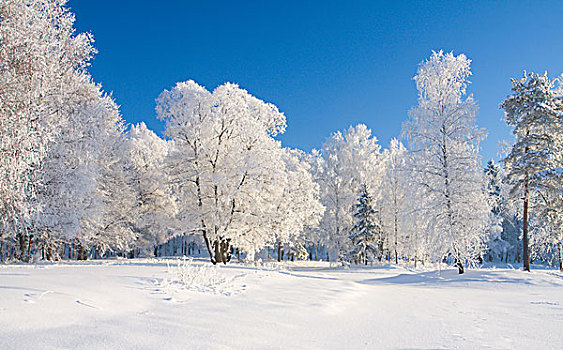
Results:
53 117
534 163
445 140
226 166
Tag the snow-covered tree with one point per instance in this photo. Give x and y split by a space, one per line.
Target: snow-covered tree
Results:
498 247
395 196
111 229
50 116
534 110
298 209
346 160
156 207
444 139
70 172
366 231
226 165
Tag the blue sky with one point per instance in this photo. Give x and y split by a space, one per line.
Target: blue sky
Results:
326 64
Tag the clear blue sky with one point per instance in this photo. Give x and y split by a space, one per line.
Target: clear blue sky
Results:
326 64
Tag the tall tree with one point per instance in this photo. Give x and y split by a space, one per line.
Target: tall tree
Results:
52 114
395 195
445 140
534 110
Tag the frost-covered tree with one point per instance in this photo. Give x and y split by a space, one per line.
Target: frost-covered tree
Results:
156 207
534 110
298 208
497 246
346 160
111 229
395 196
366 231
50 116
443 136
226 165
70 172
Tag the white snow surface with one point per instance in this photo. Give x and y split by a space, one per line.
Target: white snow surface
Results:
141 304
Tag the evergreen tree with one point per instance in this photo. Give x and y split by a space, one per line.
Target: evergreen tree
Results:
366 231
534 110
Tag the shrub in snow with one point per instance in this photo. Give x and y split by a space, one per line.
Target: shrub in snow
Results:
203 278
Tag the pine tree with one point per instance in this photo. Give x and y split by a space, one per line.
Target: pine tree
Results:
366 232
534 110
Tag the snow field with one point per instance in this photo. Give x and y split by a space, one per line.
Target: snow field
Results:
144 304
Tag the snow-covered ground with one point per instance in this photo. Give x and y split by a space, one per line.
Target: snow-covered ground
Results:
142 304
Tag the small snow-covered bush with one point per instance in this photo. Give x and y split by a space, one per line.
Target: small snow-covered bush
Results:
203 278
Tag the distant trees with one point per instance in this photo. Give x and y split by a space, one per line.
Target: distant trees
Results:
155 205
394 197
76 183
346 160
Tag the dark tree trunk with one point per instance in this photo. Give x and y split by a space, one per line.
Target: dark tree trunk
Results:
459 265
316 248
279 252
560 251
217 251
29 247
22 250
210 248
525 252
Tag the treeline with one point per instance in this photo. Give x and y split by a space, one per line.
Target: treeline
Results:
76 183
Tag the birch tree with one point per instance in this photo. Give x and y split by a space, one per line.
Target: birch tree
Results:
442 134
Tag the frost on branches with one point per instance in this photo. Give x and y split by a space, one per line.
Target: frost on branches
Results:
534 163
228 170
445 140
51 117
346 160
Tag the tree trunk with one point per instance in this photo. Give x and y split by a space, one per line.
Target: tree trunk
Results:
210 249
29 248
459 265
560 250
22 250
218 255
279 252
525 252
316 248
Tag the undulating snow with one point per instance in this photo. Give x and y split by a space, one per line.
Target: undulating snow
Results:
143 304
